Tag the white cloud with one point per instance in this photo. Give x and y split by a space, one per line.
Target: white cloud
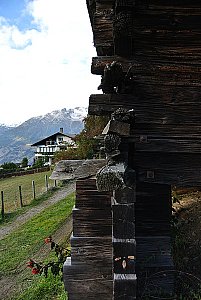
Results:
49 68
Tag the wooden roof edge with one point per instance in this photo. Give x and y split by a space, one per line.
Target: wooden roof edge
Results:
72 136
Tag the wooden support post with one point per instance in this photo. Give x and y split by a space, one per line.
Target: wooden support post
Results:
153 251
124 244
33 189
46 183
2 205
20 193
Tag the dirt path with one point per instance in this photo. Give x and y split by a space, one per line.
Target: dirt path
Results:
9 285
60 194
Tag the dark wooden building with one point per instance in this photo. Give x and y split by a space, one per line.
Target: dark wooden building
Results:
148 57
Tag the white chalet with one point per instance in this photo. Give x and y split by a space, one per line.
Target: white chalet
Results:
47 147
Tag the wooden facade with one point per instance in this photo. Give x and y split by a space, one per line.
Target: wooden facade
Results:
148 56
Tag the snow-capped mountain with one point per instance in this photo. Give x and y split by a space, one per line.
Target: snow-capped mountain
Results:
15 141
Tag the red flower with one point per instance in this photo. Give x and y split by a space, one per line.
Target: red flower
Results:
48 240
30 264
35 271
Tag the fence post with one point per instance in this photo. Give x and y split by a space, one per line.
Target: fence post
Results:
55 183
33 189
46 183
20 191
2 205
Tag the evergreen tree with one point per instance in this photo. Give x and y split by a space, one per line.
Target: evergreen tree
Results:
24 162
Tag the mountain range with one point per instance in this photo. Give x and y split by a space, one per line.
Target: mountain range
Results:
15 142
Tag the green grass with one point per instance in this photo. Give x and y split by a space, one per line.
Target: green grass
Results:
44 289
19 246
11 216
10 187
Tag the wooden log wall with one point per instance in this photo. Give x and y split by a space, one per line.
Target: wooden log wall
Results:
88 272
159 43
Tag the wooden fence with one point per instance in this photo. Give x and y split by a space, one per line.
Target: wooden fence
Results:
24 172
19 194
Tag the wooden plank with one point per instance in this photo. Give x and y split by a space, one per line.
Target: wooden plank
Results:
173 169
123 221
154 252
93 200
124 247
91 287
168 105
92 223
103 27
175 131
110 2
125 4
166 69
153 209
125 286
160 144
92 250
80 271
76 169
153 242
126 195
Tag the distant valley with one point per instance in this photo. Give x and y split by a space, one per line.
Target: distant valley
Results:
15 142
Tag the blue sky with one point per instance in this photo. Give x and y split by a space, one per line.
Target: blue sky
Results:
46 48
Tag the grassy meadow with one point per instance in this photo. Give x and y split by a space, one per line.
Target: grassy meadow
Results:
10 188
18 247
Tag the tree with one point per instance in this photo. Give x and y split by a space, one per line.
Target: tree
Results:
9 166
39 163
93 126
24 162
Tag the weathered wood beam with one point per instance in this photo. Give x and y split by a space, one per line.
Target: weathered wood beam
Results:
95 222
170 5
110 2
156 69
125 286
153 104
103 28
123 221
87 273
86 281
153 231
174 169
145 143
93 250
153 210
174 131
74 169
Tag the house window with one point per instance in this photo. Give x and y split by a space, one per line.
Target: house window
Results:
60 140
